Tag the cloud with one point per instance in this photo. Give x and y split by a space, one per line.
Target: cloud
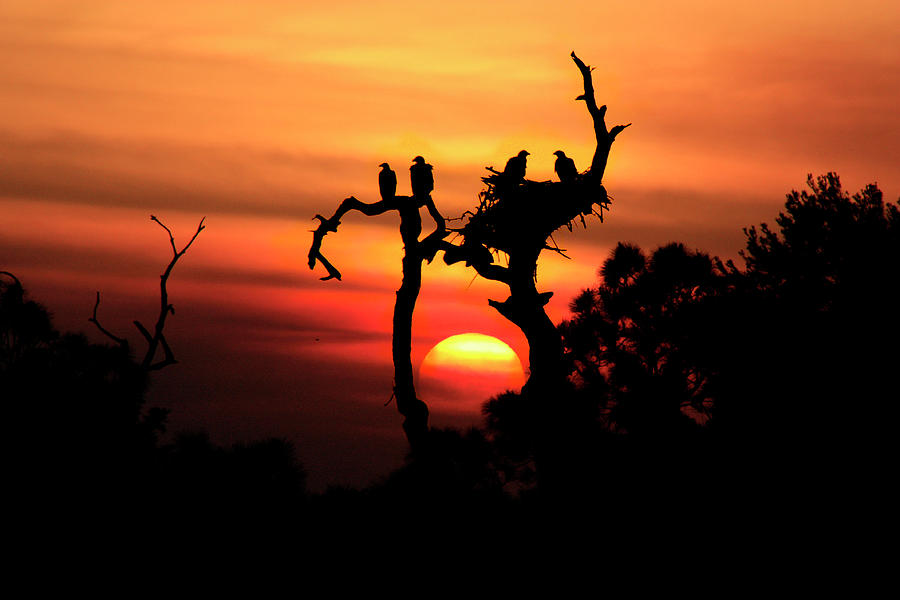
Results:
160 175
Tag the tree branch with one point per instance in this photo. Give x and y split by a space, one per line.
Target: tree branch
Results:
433 241
156 339
327 226
169 231
478 257
178 254
169 356
165 308
144 332
120 341
604 136
590 101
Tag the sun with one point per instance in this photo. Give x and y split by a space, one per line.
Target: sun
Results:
462 371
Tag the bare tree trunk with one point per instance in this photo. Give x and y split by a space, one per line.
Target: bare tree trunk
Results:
414 410
525 309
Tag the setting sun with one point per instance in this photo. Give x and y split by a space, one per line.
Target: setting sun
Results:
462 371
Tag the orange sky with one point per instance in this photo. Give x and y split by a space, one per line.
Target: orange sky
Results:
259 114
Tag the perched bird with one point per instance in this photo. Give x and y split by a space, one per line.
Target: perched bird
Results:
387 182
565 167
421 178
515 167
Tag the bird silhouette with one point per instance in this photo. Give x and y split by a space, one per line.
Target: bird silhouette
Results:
515 167
565 167
387 182
421 178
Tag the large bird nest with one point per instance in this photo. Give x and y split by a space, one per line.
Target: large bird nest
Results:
516 214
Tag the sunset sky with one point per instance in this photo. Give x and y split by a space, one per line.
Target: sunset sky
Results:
259 114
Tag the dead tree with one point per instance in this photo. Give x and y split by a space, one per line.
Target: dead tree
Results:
157 339
518 220
414 410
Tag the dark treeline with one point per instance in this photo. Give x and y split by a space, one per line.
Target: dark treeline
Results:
692 377
695 387
81 442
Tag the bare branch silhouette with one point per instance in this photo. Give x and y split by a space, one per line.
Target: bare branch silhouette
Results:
120 341
155 340
605 137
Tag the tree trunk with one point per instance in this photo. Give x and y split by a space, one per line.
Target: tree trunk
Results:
414 411
525 309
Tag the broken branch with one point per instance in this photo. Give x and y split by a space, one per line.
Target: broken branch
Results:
604 136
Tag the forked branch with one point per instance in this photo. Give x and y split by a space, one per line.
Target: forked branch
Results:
155 340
